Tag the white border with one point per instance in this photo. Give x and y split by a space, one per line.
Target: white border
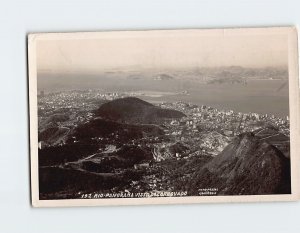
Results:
294 97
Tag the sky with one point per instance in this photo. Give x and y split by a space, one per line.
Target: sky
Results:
98 52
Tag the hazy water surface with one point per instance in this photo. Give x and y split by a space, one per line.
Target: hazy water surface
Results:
261 96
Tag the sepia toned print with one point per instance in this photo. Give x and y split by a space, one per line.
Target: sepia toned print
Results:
158 117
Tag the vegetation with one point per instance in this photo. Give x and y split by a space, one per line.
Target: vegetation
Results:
134 110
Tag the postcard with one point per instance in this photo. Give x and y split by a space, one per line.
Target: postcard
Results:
164 116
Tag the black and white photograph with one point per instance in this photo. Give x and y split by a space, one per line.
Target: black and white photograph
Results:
162 116
138 116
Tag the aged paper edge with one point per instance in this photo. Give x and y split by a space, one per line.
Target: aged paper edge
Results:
294 97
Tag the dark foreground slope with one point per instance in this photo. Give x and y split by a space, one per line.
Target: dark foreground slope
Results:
135 111
98 173
115 131
247 166
88 138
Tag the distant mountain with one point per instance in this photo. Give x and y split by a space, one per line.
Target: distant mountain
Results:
237 72
135 111
134 76
247 166
163 77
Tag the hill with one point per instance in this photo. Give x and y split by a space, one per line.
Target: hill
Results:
115 131
62 183
162 77
135 111
53 135
247 166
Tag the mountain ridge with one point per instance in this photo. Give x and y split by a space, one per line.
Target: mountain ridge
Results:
133 110
247 166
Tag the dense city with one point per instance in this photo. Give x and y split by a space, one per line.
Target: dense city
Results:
206 126
169 155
